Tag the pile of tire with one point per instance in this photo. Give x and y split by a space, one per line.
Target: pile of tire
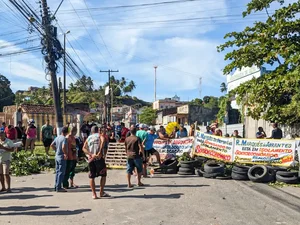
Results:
213 169
187 168
169 166
261 174
240 172
287 177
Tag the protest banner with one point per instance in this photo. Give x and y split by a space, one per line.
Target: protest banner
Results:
214 147
173 147
264 151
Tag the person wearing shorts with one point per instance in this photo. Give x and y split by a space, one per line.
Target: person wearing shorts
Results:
6 147
149 150
47 136
93 147
135 155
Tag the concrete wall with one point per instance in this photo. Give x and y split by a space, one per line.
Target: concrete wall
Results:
201 114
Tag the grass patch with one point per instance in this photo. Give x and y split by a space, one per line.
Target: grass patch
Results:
281 185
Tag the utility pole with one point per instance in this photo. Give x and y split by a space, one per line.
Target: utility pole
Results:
50 34
155 67
110 100
65 72
200 87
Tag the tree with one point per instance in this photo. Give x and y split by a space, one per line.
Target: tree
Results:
212 102
223 87
148 116
197 101
206 99
275 42
6 94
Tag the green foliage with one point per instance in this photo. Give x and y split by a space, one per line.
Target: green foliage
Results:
6 94
148 116
223 87
211 103
197 101
224 107
185 157
25 164
275 42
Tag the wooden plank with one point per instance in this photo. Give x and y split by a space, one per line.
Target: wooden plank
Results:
116 153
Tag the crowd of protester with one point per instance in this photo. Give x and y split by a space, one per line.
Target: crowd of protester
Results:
92 143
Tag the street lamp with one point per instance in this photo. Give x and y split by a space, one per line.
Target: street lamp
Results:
155 67
65 95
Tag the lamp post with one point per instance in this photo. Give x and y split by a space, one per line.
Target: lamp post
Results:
65 88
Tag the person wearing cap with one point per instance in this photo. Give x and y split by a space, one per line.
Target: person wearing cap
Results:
60 146
47 135
93 148
142 135
149 150
6 147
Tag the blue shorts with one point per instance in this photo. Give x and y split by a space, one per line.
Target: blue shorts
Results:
134 163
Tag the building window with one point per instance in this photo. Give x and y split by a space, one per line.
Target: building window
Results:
161 106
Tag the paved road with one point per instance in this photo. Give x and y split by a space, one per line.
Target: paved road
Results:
165 200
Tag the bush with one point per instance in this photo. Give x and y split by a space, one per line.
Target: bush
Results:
23 163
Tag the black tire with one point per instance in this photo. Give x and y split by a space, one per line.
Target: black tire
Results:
186 170
191 166
287 180
214 168
184 173
260 174
276 168
210 175
199 172
191 163
238 176
287 174
241 169
168 171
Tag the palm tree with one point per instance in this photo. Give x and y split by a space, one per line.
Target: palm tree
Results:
223 87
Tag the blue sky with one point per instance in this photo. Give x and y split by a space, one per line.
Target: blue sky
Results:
131 40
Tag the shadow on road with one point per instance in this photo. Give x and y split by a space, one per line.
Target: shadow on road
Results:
167 196
179 185
26 208
48 213
3 197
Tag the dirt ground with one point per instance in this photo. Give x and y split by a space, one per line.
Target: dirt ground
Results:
165 200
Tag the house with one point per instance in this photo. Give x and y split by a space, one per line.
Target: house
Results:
40 114
164 116
241 76
168 103
125 113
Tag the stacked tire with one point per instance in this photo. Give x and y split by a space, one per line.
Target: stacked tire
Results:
261 174
213 169
168 167
187 168
240 172
287 177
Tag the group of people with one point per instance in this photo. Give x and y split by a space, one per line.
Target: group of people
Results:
138 141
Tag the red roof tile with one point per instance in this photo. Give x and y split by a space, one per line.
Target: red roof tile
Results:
40 109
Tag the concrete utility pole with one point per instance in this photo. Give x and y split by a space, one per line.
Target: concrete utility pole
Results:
50 33
155 67
65 72
109 113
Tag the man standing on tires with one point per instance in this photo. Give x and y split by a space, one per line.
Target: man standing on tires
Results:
47 136
93 147
135 155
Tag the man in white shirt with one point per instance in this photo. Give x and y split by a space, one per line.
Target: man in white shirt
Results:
6 147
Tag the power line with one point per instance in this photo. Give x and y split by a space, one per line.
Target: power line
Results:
89 34
98 30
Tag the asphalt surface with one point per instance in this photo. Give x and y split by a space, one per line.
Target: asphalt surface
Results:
165 200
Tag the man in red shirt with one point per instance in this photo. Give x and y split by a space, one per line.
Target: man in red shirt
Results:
124 132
